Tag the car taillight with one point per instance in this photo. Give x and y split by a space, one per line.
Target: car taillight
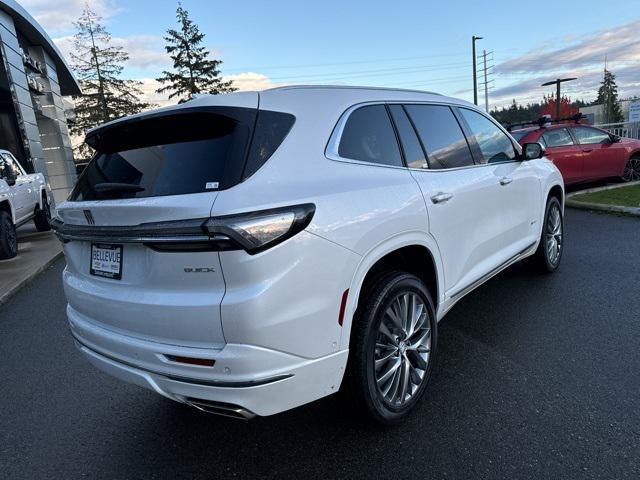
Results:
258 231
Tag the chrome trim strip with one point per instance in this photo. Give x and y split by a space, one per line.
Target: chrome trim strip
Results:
193 381
218 408
331 150
181 231
491 274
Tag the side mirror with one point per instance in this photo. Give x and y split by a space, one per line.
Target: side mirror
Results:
531 151
11 181
615 138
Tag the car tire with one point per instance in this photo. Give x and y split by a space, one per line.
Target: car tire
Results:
8 238
548 255
390 363
631 170
42 218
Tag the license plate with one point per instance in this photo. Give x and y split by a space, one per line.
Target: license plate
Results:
106 261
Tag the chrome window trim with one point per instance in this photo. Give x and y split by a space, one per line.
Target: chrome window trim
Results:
331 150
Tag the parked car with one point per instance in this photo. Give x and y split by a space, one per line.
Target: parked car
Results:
584 154
23 197
251 252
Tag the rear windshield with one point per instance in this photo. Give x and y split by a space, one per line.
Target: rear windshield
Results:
189 151
519 134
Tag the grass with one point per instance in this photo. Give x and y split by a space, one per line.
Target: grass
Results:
628 196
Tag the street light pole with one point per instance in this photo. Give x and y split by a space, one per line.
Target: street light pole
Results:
475 83
557 82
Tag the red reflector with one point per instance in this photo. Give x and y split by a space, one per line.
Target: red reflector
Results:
204 362
343 305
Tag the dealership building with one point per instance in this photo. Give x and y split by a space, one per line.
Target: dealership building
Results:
34 78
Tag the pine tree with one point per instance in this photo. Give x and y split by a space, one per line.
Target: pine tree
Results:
193 71
98 66
608 98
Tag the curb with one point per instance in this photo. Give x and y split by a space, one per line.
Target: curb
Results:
600 189
633 211
4 298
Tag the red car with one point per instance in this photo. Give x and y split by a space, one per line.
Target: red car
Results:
583 153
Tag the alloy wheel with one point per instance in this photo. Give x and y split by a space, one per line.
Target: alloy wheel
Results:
403 345
632 170
553 234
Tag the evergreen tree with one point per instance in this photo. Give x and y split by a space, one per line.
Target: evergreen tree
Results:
608 98
98 66
193 71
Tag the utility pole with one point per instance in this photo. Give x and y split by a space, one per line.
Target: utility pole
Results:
486 72
475 84
557 83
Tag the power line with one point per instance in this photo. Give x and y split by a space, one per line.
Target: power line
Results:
393 70
486 71
386 73
351 62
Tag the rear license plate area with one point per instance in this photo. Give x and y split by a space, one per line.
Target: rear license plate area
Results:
106 260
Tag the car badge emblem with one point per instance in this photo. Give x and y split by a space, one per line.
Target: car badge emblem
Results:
89 216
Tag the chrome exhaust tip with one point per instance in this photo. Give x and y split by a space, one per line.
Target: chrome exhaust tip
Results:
219 408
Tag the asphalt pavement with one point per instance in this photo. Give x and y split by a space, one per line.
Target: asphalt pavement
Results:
537 377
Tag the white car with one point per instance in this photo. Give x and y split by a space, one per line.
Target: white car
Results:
23 197
252 252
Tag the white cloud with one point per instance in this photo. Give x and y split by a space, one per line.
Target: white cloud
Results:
145 51
252 81
242 81
58 16
584 58
149 95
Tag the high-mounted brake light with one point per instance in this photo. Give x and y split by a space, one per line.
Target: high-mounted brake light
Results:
257 231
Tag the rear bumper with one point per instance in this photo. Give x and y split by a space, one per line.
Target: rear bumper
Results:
259 380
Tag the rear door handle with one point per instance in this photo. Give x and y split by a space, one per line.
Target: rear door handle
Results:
505 181
587 150
441 197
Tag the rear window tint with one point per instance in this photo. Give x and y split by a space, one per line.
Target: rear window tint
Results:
271 130
368 136
178 153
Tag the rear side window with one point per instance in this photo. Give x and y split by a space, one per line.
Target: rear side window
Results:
441 136
179 153
413 153
369 137
587 135
271 129
557 137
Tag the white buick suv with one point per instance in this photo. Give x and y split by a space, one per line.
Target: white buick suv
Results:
249 253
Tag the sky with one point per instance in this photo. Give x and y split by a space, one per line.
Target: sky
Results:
423 45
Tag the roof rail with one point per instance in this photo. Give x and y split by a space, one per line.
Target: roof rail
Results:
352 87
545 120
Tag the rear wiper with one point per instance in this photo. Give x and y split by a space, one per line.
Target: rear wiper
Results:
112 188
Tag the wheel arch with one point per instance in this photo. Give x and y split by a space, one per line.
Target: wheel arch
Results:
43 193
556 191
412 252
5 206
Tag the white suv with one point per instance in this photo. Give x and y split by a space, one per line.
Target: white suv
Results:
252 252
23 197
